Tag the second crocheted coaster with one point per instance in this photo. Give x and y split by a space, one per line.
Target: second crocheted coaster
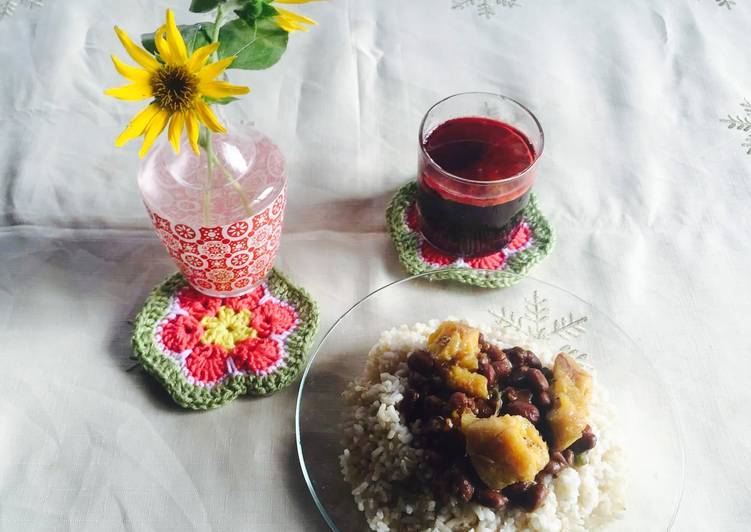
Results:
530 242
208 350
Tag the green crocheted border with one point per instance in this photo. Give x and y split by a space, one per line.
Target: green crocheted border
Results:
517 266
198 397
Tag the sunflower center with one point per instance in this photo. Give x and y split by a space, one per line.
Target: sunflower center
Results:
174 88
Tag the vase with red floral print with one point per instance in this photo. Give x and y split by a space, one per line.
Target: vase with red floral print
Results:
219 215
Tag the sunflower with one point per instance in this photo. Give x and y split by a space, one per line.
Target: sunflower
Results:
177 86
289 21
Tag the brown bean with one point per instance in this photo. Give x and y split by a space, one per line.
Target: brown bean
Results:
408 405
511 394
518 376
495 353
568 455
421 361
417 381
520 408
451 443
462 486
484 408
537 380
502 367
543 400
435 459
515 492
490 498
487 370
533 496
436 406
517 356
531 360
587 441
556 464
460 402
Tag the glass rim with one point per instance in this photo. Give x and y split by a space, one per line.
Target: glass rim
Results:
509 180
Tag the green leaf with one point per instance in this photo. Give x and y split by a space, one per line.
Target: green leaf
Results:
195 36
254 10
203 6
256 46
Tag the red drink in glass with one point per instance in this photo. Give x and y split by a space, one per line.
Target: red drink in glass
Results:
477 166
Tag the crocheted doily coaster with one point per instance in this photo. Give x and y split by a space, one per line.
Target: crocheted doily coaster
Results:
208 350
530 242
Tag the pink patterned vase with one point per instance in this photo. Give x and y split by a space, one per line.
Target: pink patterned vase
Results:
220 222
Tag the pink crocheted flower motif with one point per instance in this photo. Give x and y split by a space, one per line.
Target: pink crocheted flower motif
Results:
214 337
519 239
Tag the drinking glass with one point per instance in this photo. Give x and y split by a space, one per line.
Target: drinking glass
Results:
477 164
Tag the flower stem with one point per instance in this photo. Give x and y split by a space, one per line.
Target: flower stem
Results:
209 178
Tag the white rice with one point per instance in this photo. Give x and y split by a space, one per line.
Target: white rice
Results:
378 455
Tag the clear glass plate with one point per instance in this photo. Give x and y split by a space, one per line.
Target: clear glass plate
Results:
646 415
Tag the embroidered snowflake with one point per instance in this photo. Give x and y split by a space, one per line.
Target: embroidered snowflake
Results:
741 123
534 321
486 8
8 7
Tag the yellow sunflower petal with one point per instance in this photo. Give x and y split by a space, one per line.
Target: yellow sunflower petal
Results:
130 72
137 125
165 52
153 130
133 92
176 130
192 127
294 17
139 55
288 26
175 39
208 118
221 89
199 57
211 71
295 1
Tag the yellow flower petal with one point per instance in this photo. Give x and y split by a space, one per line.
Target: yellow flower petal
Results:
294 17
221 89
153 130
175 39
208 118
288 26
199 57
139 55
133 92
137 125
165 52
295 1
191 125
130 72
211 71
176 130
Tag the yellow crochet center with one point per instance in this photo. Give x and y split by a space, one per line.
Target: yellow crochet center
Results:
227 328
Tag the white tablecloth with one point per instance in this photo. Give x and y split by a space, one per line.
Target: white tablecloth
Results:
648 190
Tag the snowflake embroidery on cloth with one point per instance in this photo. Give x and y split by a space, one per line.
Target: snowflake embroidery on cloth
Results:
485 8
207 332
8 7
741 123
